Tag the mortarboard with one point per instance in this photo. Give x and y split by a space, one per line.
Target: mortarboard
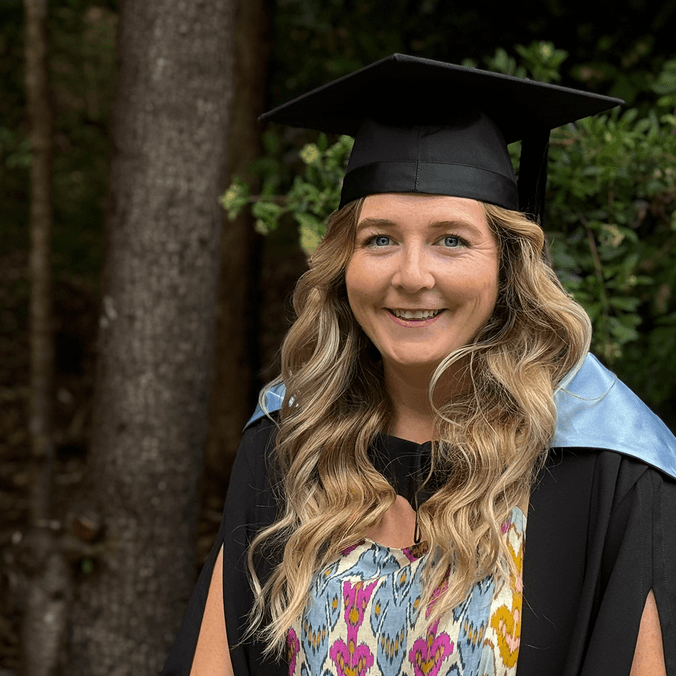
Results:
433 127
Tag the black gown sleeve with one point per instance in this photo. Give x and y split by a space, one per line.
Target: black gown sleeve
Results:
601 534
249 506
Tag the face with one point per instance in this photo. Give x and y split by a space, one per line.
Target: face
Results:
423 278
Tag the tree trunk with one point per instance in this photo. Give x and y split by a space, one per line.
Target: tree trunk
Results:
45 572
236 353
170 118
41 338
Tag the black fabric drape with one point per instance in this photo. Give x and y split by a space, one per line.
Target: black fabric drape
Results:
601 534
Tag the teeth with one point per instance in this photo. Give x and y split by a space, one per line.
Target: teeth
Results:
415 314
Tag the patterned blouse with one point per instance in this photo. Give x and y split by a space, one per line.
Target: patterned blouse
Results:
365 618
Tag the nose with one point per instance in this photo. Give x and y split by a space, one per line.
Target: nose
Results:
414 271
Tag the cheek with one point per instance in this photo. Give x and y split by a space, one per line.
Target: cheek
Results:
359 281
350 283
353 286
475 294
487 295
487 283
491 293
489 299
363 295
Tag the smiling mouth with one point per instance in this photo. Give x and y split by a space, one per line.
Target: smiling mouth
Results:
414 315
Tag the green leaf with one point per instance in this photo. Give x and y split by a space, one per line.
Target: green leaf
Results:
626 303
267 215
311 232
311 154
272 142
235 197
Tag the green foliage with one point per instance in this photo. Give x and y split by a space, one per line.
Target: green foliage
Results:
611 216
665 85
313 196
542 61
15 160
610 208
81 61
610 212
620 43
14 149
539 61
82 65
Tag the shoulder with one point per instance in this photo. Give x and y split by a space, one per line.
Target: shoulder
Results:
251 501
595 500
255 455
260 432
600 491
605 470
270 401
597 410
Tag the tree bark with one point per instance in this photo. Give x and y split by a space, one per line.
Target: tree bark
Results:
44 571
170 118
236 352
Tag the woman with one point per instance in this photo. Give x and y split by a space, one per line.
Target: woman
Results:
439 406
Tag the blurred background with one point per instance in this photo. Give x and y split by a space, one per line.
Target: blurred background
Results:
138 319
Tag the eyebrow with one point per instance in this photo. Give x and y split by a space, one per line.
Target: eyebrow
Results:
435 225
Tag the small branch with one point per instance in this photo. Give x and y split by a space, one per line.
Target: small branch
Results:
651 263
276 199
598 269
562 141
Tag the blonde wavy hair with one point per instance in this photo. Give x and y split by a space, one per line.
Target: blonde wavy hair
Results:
489 444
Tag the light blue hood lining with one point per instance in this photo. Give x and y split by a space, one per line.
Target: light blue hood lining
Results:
594 410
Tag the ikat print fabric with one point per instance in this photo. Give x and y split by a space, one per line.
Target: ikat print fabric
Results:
365 618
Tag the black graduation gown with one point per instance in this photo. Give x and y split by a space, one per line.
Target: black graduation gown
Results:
601 533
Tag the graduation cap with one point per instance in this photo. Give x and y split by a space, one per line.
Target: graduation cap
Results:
425 126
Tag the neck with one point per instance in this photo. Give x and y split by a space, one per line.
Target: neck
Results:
409 392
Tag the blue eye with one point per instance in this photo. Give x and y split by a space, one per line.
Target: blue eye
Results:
380 240
451 241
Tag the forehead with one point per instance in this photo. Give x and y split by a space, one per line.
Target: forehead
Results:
408 209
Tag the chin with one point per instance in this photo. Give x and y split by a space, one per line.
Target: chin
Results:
415 362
